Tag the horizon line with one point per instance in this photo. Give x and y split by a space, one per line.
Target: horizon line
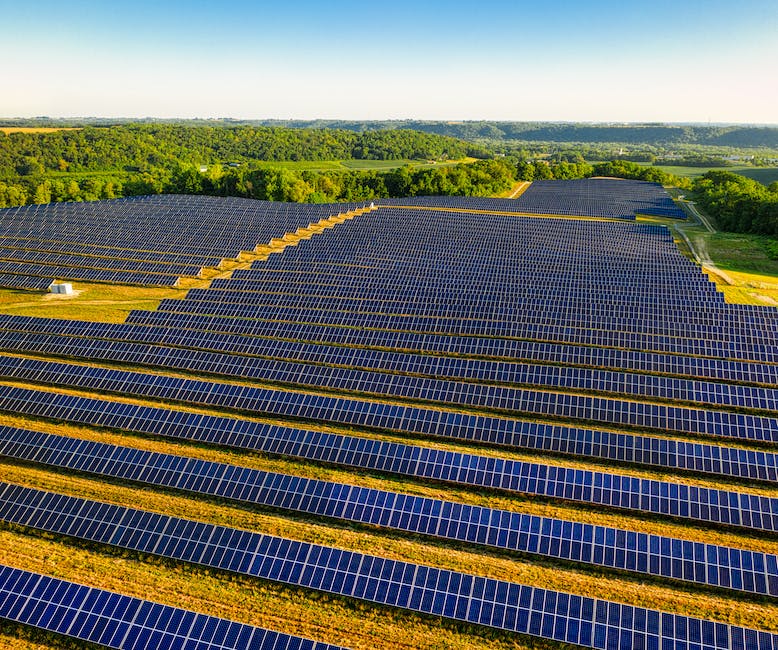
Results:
390 119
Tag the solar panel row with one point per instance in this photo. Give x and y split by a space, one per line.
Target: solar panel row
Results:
461 321
407 419
43 246
474 343
656 555
194 225
92 262
600 488
301 279
416 363
459 235
394 380
24 282
611 198
562 439
116 621
440 302
501 604
658 452
111 242
91 275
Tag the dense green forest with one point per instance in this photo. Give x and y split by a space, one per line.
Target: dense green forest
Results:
103 163
738 204
653 134
137 146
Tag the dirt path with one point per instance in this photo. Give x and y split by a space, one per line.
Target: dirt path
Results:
707 262
519 190
697 244
700 217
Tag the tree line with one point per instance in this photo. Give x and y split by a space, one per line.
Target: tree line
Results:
104 163
138 147
481 178
737 203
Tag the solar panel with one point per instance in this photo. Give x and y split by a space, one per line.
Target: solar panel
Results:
406 418
117 621
610 198
671 499
574 358
33 283
548 335
504 398
450 594
604 546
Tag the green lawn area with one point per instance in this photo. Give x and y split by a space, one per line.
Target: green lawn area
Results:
742 253
378 165
302 165
745 261
764 175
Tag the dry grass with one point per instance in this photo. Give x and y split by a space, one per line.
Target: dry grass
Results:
14 636
106 303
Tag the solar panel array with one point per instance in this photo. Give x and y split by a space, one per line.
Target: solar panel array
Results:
589 197
29 282
510 606
149 241
579 391
117 621
599 545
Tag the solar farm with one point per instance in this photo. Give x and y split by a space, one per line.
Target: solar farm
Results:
438 422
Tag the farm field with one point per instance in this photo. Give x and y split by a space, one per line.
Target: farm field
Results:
440 425
764 175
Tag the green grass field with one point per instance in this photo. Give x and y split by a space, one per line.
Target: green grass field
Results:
764 175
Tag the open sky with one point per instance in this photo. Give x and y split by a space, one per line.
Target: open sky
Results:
598 60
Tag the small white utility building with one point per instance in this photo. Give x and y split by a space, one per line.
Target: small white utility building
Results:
65 288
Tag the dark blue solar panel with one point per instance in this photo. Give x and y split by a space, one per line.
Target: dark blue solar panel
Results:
484 601
620 549
759 465
110 619
500 371
28 282
406 419
552 481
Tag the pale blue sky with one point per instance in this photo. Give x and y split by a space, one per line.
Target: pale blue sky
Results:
592 61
